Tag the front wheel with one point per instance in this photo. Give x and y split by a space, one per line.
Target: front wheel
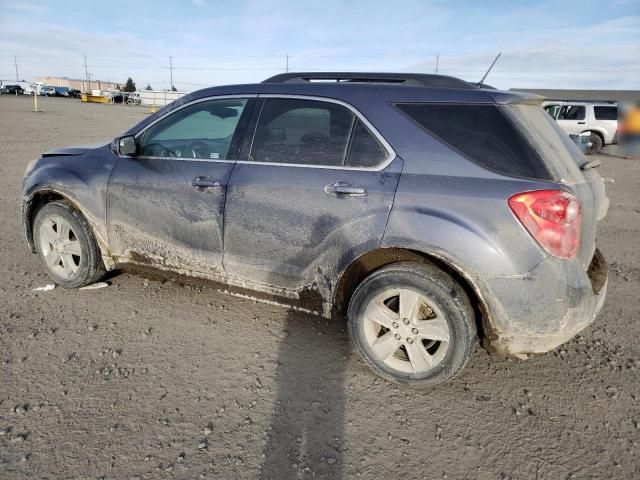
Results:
412 324
66 247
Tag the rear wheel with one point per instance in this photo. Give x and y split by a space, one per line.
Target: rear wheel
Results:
596 143
65 244
412 324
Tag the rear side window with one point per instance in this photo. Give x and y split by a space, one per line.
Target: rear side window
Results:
572 112
483 134
606 113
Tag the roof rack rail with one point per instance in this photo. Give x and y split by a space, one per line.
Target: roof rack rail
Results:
411 79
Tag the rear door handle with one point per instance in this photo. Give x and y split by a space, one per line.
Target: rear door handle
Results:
344 188
204 184
582 123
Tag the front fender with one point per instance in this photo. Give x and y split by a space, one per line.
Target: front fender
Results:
84 187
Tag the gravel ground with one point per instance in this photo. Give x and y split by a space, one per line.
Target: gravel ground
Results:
157 380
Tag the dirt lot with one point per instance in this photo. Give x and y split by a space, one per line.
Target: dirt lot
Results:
156 380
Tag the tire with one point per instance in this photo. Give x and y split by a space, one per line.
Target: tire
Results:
441 303
596 143
71 258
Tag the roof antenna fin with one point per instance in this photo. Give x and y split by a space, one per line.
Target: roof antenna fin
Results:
481 82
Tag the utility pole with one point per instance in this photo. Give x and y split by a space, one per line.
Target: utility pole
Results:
287 64
437 61
15 62
171 72
86 75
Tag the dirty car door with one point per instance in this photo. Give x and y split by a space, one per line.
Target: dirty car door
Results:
166 204
314 193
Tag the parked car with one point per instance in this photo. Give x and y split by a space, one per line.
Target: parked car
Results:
61 91
48 91
426 210
134 98
11 90
599 119
73 93
30 90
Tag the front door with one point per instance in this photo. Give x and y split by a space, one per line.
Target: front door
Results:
166 205
314 193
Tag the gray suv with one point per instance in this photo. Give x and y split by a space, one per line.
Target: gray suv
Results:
428 211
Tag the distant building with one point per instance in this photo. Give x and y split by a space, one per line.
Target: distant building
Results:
608 95
78 84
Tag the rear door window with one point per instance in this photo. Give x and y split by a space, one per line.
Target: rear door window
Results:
365 149
312 132
301 131
483 134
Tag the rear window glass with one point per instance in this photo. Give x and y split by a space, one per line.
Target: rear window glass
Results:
606 113
483 134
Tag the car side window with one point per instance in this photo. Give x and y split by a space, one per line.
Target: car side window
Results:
298 131
202 130
313 132
365 149
572 112
606 113
552 110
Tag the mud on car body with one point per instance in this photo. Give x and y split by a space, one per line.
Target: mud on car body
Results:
428 211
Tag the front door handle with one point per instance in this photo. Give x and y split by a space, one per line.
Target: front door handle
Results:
344 189
582 123
204 184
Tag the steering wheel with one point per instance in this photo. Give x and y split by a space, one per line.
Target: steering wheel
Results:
158 150
198 149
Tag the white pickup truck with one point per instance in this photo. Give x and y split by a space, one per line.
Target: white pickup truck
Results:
599 119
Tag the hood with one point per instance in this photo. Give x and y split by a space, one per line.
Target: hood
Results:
69 151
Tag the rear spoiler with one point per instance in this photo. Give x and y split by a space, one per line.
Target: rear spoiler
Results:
509 97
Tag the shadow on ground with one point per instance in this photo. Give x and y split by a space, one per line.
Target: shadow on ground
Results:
307 427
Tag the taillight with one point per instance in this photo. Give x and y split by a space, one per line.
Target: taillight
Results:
552 217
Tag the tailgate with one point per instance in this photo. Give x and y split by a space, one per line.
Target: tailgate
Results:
565 161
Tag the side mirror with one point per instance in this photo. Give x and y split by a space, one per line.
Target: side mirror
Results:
127 145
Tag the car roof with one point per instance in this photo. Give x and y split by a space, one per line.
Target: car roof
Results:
419 88
362 94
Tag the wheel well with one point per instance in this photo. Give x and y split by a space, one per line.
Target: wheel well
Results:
366 264
39 200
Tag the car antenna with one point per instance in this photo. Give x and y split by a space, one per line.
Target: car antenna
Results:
481 82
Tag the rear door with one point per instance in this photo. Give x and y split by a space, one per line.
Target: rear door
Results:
312 191
165 205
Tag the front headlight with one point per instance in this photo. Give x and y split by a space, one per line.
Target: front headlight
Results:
31 166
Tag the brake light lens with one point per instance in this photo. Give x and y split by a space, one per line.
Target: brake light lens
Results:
552 217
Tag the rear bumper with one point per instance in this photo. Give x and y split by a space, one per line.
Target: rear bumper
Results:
544 309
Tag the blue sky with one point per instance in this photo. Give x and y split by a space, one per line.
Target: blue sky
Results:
564 44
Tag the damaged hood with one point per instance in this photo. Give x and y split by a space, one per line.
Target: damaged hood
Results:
76 150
